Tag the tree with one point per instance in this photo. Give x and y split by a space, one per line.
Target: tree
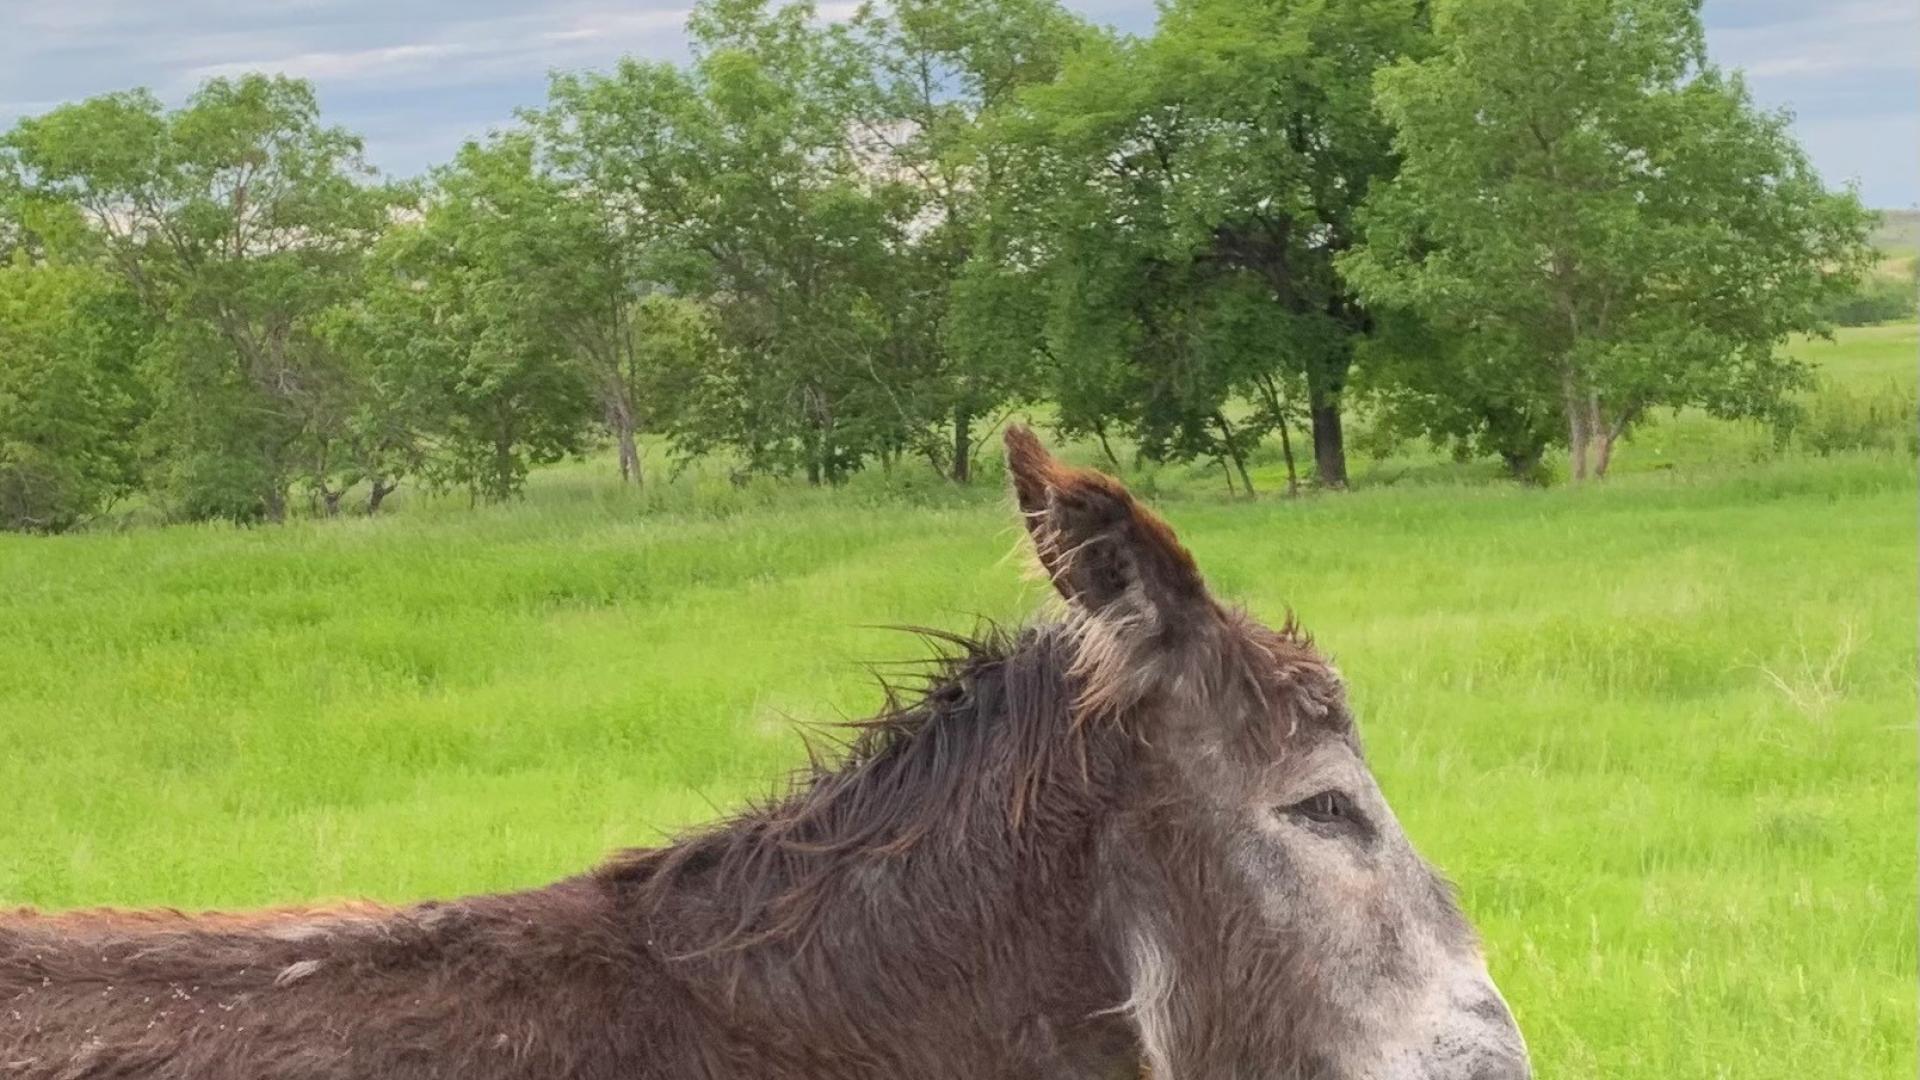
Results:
237 219
1603 215
738 178
68 342
456 329
582 261
1453 390
1126 289
1204 181
934 72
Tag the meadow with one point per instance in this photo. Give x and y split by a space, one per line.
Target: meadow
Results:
1660 730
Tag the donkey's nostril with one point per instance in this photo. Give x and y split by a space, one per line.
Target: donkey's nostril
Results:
1492 1010
1502 1055
1504 1069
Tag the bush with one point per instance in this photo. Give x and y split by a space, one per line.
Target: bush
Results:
1838 418
1876 301
45 492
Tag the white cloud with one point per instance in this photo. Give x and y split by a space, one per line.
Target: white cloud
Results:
620 25
355 64
1792 65
1846 72
1816 39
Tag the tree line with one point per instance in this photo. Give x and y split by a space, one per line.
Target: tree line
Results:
1502 225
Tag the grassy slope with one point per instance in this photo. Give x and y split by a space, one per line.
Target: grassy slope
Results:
1662 731
1897 237
1898 232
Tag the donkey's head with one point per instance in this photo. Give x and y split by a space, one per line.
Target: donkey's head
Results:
1269 915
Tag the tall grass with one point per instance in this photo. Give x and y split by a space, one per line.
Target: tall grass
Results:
1660 731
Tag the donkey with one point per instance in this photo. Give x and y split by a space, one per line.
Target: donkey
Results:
1141 837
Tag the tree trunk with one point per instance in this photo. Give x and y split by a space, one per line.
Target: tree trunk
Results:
620 419
1523 465
502 469
819 439
962 445
630 458
816 458
1329 444
1101 434
1233 451
381 489
1286 451
1603 436
1329 441
1286 435
1577 416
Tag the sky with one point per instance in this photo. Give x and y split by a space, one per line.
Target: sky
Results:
415 78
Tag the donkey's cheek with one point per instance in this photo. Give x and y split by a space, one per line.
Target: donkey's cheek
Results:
1316 890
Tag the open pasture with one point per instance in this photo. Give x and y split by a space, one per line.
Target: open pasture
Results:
1659 730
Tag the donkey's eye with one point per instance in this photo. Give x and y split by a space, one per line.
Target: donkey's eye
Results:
1328 806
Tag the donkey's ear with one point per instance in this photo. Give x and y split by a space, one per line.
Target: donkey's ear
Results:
1099 546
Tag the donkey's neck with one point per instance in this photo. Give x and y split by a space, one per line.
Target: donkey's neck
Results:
939 890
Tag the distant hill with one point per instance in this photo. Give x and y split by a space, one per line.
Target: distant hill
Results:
1898 232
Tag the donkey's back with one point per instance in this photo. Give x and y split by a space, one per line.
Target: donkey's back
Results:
537 984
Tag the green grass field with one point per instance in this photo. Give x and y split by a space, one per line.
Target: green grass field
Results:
1660 730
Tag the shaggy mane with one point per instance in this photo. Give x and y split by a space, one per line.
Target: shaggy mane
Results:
966 744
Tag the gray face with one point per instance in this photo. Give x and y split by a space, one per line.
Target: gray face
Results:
1299 912
1328 864
1269 916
